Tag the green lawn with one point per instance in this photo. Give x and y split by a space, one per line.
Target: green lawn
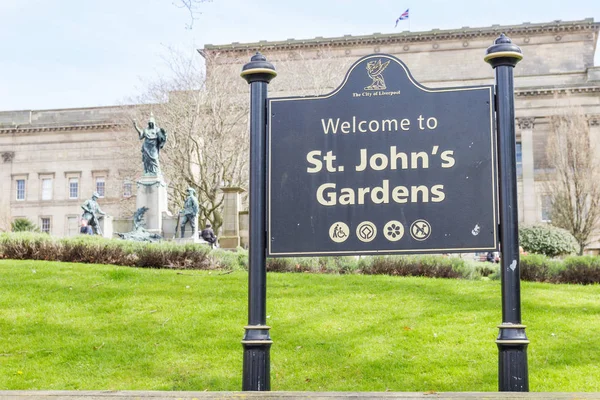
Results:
79 326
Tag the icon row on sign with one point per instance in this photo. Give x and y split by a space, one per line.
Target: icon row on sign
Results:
393 231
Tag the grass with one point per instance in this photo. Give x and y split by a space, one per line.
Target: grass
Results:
86 327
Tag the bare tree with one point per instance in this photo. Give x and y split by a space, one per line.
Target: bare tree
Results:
572 183
306 74
206 121
193 7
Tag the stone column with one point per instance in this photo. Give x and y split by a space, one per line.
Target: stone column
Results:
229 237
528 181
594 122
152 193
6 186
244 229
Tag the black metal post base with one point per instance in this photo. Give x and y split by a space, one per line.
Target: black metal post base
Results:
512 342
512 358
257 358
257 343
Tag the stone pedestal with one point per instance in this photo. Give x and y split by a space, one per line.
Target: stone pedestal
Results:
123 225
169 223
187 240
106 224
229 237
152 193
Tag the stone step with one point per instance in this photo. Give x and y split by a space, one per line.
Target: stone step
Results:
155 395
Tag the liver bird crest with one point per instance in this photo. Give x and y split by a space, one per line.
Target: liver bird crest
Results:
375 69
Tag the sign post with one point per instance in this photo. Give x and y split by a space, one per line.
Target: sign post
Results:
512 342
257 342
384 165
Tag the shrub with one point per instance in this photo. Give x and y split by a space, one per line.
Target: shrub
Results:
427 266
535 268
223 259
575 269
583 270
94 249
27 246
547 240
280 265
347 264
484 269
242 258
296 264
23 225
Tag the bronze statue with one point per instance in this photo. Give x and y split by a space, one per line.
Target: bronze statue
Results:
91 209
154 140
139 233
138 218
189 212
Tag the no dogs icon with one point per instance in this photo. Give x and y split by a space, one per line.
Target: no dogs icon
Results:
420 230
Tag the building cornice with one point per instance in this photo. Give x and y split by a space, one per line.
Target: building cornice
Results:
526 28
553 91
37 129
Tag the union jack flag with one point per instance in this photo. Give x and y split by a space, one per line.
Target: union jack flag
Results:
402 17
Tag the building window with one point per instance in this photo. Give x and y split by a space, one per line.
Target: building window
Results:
45 225
546 208
127 189
47 189
519 159
100 186
20 189
73 188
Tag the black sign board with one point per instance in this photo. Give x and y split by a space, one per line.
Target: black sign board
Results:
382 165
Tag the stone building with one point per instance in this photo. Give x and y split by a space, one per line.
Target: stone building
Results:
557 72
54 159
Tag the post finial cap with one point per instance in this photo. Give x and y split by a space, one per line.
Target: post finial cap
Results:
258 57
503 52
258 69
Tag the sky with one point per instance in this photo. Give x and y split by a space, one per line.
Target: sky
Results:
88 53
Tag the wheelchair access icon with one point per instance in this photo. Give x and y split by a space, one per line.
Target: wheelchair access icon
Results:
339 232
420 230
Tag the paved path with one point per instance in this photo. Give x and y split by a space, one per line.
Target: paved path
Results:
142 395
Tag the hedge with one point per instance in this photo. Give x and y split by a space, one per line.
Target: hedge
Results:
93 249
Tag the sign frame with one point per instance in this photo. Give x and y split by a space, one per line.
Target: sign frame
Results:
273 102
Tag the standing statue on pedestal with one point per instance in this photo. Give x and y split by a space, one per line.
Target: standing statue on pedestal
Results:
154 140
189 212
91 209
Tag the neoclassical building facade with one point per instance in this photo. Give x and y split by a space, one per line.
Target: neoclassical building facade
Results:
54 159
557 73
